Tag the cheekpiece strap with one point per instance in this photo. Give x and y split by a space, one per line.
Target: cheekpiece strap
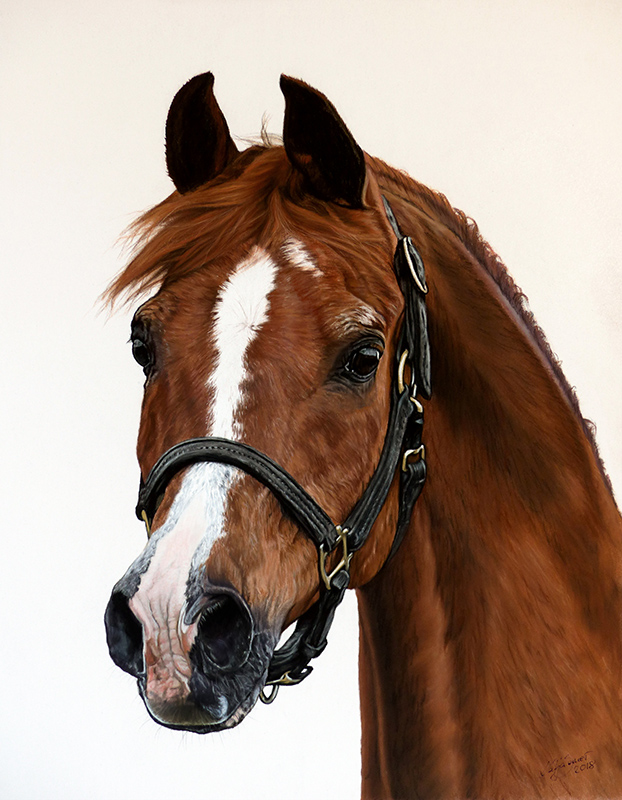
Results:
410 273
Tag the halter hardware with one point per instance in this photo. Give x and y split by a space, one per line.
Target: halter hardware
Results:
402 451
418 275
401 380
345 558
286 679
268 698
145 519
413 457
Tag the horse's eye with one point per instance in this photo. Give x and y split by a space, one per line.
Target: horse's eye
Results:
142 354
362 363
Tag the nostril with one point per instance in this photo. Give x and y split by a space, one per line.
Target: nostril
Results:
124 635
224 633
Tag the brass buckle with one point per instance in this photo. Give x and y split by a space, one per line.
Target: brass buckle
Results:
285 680
345 558
423 288
401 382
413 456
146 521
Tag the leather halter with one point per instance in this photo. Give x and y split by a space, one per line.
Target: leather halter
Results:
402 449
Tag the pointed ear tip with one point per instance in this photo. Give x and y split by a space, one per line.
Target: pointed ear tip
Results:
201 85
289 84
205 80
205 77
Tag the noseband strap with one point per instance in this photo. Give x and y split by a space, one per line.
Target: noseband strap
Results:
402 449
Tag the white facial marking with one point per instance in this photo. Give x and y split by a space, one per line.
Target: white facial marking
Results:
241 310
195 521
297 255
352 320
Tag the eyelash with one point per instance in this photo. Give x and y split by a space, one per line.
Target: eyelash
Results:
142 353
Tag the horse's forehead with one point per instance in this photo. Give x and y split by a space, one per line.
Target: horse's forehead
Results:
339 291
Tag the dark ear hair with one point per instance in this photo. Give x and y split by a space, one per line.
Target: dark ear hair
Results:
319 145
198 143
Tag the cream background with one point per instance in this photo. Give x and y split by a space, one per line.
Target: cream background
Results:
511 109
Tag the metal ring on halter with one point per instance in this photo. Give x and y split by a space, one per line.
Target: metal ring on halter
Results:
286 679
413 456
343 563
422 286
271 697
401 383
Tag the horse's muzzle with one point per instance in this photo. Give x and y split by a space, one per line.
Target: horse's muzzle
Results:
222 643
227 659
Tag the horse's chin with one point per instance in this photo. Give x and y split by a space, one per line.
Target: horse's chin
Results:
188 716
216 700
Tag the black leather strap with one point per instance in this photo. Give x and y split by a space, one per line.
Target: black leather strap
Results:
362 517
310 637
410 273
402 450
296 502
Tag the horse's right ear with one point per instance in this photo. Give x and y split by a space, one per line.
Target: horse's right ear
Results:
198 143
320 146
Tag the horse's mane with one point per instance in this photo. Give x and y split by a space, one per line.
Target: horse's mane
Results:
467 231
254 196
252 202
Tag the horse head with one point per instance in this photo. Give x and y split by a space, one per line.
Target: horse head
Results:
275 326
286 352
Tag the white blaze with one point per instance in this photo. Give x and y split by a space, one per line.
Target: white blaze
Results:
241 310
196 518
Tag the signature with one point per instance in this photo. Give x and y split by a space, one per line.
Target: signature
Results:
565 766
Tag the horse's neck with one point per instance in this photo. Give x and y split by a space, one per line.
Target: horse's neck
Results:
490 645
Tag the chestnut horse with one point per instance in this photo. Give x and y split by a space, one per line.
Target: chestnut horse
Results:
490 641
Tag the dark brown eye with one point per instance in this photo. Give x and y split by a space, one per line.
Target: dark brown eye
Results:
362 363
142 354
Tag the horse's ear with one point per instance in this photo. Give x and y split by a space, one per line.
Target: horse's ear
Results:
320 146
198 143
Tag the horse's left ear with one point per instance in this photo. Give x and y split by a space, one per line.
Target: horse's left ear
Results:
320 146
198 143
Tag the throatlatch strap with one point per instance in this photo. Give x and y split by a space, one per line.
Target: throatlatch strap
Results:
402 450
